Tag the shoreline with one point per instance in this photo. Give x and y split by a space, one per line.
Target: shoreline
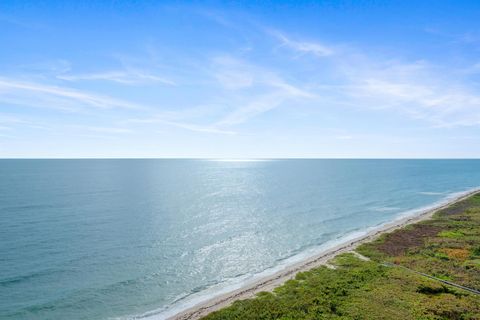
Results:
268 283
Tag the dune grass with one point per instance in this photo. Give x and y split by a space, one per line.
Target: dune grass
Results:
446 246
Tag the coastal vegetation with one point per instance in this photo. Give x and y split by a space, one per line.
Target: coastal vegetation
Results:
386 285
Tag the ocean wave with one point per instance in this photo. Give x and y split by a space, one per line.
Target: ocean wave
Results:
385 209
28 277
432 193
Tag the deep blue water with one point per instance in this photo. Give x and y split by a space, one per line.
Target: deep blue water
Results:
103 239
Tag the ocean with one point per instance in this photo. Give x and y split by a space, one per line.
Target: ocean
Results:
127 239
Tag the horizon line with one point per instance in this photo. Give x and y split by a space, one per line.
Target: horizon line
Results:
238 158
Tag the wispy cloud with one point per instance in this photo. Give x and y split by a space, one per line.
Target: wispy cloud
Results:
265 89
28 93
257 106
199 128
303 47
419 89
113 130
234 79
8 119
182 125
127 77
13 122
248 88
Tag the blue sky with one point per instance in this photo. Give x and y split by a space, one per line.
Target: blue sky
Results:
260 79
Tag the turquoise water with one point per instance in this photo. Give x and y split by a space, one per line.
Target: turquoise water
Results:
109 239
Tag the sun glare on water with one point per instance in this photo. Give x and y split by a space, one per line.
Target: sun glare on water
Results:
239 160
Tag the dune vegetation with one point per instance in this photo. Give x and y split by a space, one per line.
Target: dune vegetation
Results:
385 286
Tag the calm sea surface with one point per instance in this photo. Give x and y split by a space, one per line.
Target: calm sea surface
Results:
117 239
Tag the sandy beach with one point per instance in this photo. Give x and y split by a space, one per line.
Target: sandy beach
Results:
277 279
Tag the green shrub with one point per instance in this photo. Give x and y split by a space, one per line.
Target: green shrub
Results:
451 234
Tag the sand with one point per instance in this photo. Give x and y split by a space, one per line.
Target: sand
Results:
277 279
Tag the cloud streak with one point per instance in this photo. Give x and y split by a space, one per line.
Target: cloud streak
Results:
303 47
265 89
23 92
182 125
129 77
112 130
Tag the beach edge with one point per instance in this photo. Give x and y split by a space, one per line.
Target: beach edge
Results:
270 282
